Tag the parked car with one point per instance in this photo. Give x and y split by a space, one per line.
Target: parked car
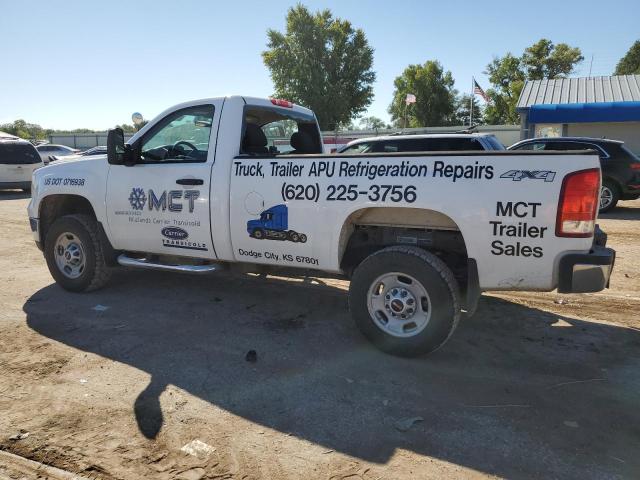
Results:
18 160
92 152
620 167
99 150
47 150
444 142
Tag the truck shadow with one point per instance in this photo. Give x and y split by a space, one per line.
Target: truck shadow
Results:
624 211
13 195
517 392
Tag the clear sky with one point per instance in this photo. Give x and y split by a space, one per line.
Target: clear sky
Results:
70 64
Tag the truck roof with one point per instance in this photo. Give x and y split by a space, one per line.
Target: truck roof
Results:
256 101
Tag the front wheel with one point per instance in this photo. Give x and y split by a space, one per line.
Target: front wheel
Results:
405 300
609 196
74 254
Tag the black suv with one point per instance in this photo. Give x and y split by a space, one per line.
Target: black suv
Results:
620 167
433 142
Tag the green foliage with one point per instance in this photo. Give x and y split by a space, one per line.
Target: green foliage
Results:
435 96
323 63
22 129
126 128
507 77
630 63
463 110
508 74
372 123
543 59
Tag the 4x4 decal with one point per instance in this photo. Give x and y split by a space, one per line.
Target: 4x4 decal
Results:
517 175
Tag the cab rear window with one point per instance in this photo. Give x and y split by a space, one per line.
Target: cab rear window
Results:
14 153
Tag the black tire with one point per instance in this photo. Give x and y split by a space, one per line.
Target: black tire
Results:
293 236
436 278
302 238
258 234
610 186
96 273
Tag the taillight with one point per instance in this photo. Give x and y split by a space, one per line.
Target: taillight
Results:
282 103
634 166
578 204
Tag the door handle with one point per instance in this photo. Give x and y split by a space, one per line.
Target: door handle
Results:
190 181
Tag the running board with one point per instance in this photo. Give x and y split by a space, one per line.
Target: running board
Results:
126 261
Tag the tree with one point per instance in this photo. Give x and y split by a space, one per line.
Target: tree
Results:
435 96
543 59
507 74
372 123
507 78
22 129
126 128
323 63
463 110
630 63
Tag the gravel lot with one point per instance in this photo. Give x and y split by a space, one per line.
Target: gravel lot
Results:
114 383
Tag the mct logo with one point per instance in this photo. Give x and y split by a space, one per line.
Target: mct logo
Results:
168 199
517 175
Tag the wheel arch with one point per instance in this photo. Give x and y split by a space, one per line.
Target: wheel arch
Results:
431 230
54 206
402 217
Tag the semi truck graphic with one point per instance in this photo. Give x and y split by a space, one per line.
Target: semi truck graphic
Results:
273 224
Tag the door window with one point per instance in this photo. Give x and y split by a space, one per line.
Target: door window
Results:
535 146
358 148
182 136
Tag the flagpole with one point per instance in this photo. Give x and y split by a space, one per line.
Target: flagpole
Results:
471 102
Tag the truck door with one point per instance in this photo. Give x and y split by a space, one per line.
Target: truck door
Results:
161 204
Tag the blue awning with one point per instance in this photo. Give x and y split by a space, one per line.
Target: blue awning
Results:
585 112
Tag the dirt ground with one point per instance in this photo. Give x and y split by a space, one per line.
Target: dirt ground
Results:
114 383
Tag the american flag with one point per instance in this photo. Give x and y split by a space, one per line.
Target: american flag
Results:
479 91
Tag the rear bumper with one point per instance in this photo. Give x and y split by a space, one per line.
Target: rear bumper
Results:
586 272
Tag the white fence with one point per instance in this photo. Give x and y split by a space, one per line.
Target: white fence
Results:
82 140
507 134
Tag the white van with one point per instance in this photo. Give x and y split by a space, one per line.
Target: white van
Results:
18 160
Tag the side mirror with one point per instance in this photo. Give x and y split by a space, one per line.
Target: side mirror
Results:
115 146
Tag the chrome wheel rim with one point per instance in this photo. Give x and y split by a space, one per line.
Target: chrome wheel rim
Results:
69 255
606 197
399 304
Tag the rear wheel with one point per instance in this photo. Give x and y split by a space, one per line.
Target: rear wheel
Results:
74 254
609 196
293 236
405 300
258 234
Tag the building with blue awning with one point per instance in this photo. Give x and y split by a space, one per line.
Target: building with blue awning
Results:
601 107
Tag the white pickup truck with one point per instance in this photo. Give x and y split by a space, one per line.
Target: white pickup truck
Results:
206 186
